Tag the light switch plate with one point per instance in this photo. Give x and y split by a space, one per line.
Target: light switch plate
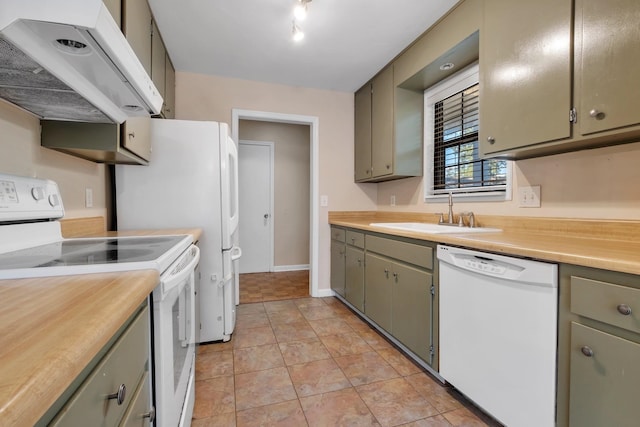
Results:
324 201
529 197
88 197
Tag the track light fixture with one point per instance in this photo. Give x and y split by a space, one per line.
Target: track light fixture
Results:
300 11
298 35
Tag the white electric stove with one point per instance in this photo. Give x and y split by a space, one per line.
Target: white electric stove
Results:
31 245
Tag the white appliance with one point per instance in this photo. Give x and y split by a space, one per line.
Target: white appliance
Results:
69 60
191 181
498 332
174 342
31 245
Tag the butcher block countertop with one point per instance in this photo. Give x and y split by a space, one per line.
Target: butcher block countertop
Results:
606 244
52 327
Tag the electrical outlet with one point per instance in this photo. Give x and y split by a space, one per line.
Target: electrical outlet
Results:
88 197
529 197
392 202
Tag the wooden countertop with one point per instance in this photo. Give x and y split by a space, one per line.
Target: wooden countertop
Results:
52 327
609 245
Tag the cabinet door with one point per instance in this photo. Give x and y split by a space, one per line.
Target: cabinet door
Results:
136 136
411 310
139 412
605 376
115 9
363 133
378 290
169 105
337 267
136 27
525 73
158 57
609 68
354 286
382 123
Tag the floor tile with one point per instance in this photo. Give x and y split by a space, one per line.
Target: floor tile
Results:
374 339
285 414
254 336
214 364
399 361
257 358
309 302
394 402
344 344
338 408
290 315
365 368
435 392
222 420
273 306
463 417
212 347
294 331
296 352
332 326
252 320
253 308
261 388
317 312
435 421
320 376
215 397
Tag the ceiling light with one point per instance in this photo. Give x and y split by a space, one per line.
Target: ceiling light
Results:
300 11
298 35
447 66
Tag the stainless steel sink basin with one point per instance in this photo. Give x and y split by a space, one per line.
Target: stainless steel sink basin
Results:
430 228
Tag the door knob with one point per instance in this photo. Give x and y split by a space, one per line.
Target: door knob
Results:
266 216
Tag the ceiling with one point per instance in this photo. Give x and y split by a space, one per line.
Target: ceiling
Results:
346 41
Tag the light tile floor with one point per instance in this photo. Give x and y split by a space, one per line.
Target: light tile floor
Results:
313 362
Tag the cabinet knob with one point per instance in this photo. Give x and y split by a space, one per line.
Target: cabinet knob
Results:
120 395
586 350
386 273
596 114
624 309
395 276
132 134
491 140
151 415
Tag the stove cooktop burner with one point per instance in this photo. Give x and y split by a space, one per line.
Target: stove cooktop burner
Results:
74 256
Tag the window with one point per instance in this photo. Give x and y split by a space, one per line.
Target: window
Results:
452 159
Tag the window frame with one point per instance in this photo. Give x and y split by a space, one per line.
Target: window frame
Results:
453 84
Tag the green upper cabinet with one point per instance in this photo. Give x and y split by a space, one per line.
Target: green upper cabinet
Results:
169 106
136 26
115 9
388 130
557 79
158 58
525 73
382 124
363 133
607 65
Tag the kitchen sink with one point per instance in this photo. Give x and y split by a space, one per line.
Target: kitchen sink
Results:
430 228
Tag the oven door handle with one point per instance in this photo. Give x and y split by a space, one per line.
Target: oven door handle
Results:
180 269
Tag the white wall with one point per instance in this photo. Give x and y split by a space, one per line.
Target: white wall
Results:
202 97
21 154
599 183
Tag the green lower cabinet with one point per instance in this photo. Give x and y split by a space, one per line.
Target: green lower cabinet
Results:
411 309
338 267
604 379
378 290
354 286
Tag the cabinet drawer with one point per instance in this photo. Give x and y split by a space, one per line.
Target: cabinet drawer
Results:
338 234
125 363
355 239
407 252
138 414
606 302
605 375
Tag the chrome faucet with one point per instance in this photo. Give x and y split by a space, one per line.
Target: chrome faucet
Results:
450 219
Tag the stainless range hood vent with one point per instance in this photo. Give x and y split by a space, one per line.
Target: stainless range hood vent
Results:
72 66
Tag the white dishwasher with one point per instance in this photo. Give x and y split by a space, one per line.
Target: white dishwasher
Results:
498 333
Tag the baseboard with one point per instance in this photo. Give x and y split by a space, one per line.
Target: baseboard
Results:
281 268
324 293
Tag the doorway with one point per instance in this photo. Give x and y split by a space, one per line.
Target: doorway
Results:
312 123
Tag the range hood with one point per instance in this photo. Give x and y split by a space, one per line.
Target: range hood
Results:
68 60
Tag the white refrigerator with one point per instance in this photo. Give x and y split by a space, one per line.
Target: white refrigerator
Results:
191 181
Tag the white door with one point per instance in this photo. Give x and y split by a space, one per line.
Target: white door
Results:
255 181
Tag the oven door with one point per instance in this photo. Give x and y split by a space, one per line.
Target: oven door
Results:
174 339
